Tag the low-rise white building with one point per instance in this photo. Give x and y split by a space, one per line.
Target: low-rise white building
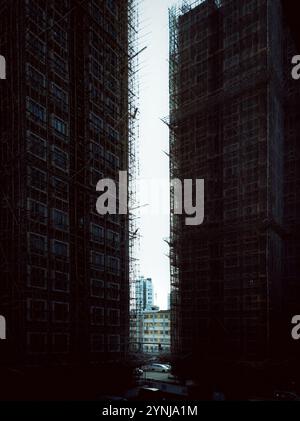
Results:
156 331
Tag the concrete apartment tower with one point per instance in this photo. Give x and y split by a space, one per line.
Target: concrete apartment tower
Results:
66 113
233 122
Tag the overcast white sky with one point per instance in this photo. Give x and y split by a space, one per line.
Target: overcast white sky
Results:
154 139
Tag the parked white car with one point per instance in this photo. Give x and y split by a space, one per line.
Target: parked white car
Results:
159 368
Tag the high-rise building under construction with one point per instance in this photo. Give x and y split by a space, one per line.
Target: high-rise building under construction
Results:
67 111
233 122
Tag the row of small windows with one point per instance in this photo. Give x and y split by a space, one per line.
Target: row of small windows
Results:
60 343
153 339
98 97
97 124
101 262
154 331
110 82
39 212
38 48
39 16
97 153
37 147
59 312
60 219
97 235
60 282
155 324
157 316
40 310
37 278
100 289
97 14
40 343
38 180
38 81
100 316
60 65
60 159
148 348
38 113
38 244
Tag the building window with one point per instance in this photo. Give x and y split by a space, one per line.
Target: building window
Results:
97 151
113 291
96 69
112 84
36 146
37 179
60 219
113 134
112 6
37 310
113 237
36 46
115 219
36 277
60 312
113 265
60 66
60 159
61 281
112 107
36 111
97 233
37 342
60 36
97 343
96 176
60 343
114 343
96 13
97 260
60 248
37 243
96 95
38 211
97 288
36 13
36 78
61 188
59 126
59 94
113 317
96 123
112 160
97 316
